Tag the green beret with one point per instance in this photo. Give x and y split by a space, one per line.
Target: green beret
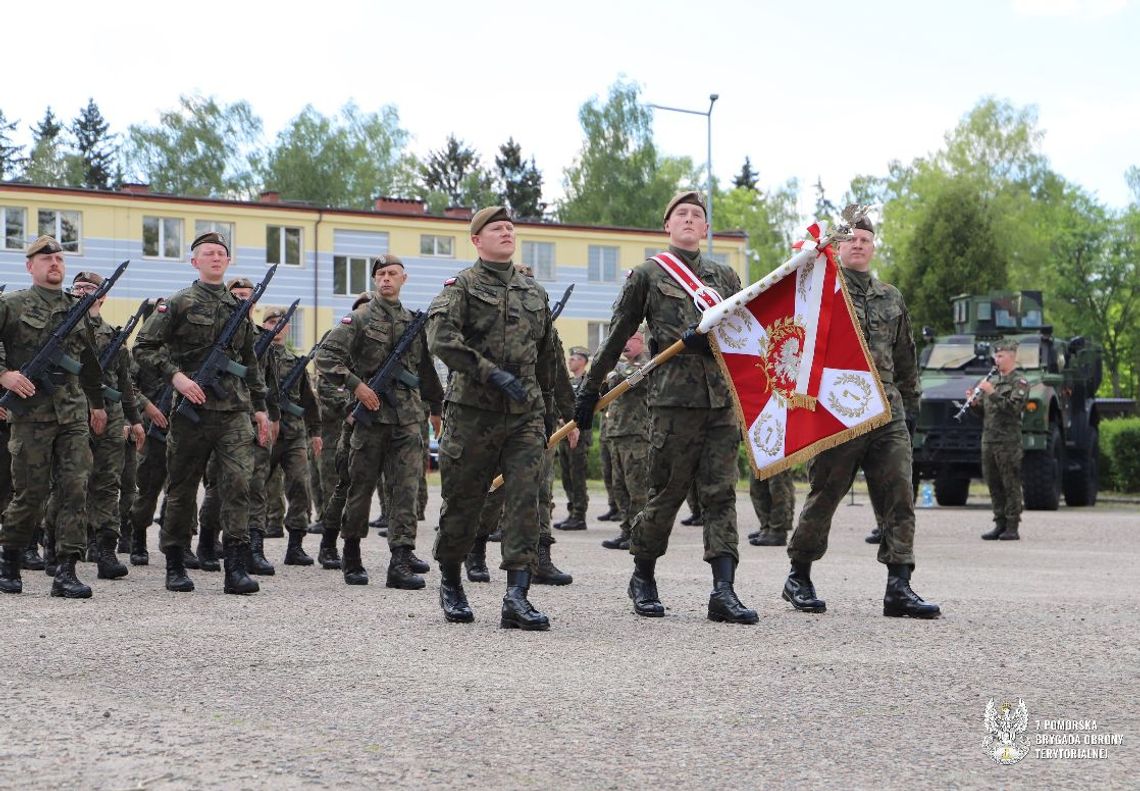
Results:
239 282
212 237
865 224
45 244
488 215
1004 345
581 351
385 260
94 278
689 196
273 313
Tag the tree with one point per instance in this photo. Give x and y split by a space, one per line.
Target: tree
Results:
95 147
49 162
769 219
825 209
455 171
747 177
519 182
11 158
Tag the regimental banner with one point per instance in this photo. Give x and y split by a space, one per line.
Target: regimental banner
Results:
802 378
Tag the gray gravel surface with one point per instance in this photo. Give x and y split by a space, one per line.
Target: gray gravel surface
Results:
315 684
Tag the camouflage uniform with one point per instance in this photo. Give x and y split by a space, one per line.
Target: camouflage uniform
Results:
774 500
573 463
627 425
291 450
151 471
335 399
1001 447
606 462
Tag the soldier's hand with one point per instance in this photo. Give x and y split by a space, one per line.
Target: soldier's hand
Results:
367 396
696 341
16 382
274 430
318 444
189 388
98 421
573 436
584 409
3 413
262 421
507 382
969 394
986 387
436 425
139 435
126 432
154 414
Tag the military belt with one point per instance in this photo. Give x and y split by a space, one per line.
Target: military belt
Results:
518 369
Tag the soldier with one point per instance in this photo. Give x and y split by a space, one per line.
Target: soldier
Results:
1001 404
491 327
627 421
695 517
774 500
573 461
151 472
611 513
351 354
175 340
693 432
49 432
884 454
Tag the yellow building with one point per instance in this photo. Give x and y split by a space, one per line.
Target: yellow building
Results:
323 253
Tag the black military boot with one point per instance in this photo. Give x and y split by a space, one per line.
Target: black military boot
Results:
995 533
400 574
609 516
548 573
617 542
124 536
900 600
328 556
874 537
693 520
30 558
755 534
207 551
274 531
10 581
189 559
352 566
92 553
643 589
107 561
799 591
476 561
451 596
66 584
237 576
1010 533
257 563
316 528
295 554
573 523
416 564
176 578
517 612
139 555
51 562
724 606
770 538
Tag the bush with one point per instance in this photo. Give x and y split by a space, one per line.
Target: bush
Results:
1120 441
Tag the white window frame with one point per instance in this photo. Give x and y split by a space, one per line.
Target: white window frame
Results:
20 240
596 334
435 240
226 229
351 261
163 253
57 228
606 270
282 246
531 258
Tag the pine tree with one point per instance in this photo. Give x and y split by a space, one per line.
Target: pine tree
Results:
11 155
48 164
95 146
747 177
520 182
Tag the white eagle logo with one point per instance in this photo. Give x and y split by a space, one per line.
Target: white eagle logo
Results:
1005 726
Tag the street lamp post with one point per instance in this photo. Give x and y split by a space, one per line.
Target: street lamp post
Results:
708 116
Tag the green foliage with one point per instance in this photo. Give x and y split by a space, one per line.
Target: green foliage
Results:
519 182
49 162
11 155
1120 442
769 219
455 171
95 148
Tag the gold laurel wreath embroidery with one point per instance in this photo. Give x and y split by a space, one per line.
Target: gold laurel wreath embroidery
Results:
776 432
804 279
781 329
864 399
736 340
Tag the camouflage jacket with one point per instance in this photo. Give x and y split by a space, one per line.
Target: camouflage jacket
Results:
649 294
628 415
180 333
885 322
281 362
479 323
335 399
356 348
27 319
563 390
1002 408
117 376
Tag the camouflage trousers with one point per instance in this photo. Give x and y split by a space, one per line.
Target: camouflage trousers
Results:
5 466
128 481
331 430
885 456
332 517
574 463
422 493
106 474
1001 467
630 459
475 443
151 475
686 447
694 501
397 452
44 455
606 458
275 502
492 514
774 500
226 437
316 496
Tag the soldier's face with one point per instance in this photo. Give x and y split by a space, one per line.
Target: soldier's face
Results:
687 226
496 242
577 364
47 270
241 292
1005 360
634 346
82 289
856 253
211 260
271 325
388 281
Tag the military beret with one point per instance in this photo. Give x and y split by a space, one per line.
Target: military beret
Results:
581 351
524 269
488 215
865 224
385 260
211 237
45 244
363 299
689 196
1004 345
94 278
239 282
273 313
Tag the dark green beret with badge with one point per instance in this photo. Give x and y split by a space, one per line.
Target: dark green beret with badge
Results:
484 217
45 244
211 237
688 196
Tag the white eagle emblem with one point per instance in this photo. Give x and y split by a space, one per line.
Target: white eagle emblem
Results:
788 360
1005 726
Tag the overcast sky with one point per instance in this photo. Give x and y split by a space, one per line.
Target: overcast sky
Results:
822 89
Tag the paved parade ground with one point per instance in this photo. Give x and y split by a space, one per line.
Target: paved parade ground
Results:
315 684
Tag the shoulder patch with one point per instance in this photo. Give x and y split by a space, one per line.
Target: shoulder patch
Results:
628 274
346 319
161 308
450 281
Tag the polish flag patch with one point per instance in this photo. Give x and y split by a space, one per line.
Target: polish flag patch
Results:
450 281
347 319
161 308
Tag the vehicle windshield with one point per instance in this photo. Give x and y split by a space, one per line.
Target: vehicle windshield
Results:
948 355
1029 355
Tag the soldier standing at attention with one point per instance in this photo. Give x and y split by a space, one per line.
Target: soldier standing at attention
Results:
627 421
175 340
1001 405
49 430
884 454
491 327
573 460
693 433
774 500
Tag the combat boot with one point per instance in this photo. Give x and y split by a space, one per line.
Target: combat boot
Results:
316 528
618 542
92 553
107 561
351 565
548 573
769 538
416 564
66 584
51 562
10 580
900 600
257 562
573 523
124 536
875 536
139 555
693 520
274 531
995 533
328 556
400 574
799 591
176 578
755 534
517 612
643 589
30 559
189 559
207 550
610 515
1010 533
295 554
476 561
724 606
237 576
452 599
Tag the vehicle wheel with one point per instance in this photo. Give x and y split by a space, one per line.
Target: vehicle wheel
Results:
1082 484
1041 474
951 491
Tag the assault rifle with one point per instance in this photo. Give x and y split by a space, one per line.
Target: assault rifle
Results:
382 381
51 357
218 361
556 311
107 358
267 336
291 378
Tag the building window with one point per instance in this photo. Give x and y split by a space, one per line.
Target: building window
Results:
539 256
63 225
596 332
13 221
162 237
282 245
295 334
350 275
443 246
226 229
603 264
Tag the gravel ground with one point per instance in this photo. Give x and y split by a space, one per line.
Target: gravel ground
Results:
311 683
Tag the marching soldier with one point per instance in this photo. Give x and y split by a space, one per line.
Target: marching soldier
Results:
151 472
611 513
1001 405
693 431
574 461
627 421
774 500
